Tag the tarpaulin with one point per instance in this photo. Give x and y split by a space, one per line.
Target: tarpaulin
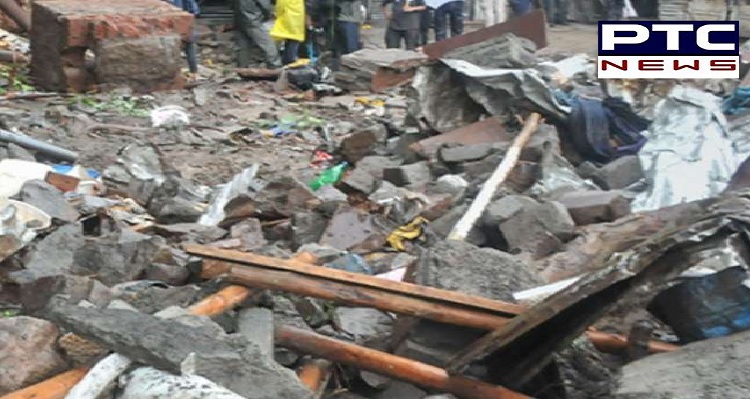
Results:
290 20
688 155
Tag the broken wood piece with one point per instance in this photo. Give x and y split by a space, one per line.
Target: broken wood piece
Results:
389 365
528 341
477 207
258 73
53 388
315 374
100 377
255 277
17 14
13 57
234 258
221 301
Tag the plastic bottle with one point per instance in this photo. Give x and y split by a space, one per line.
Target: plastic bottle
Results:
330 176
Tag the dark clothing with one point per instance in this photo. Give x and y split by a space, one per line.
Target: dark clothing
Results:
425 20
291 52
402 20
191 48
556 11
614 9
453 13
249 16
348 33
520 7
410 37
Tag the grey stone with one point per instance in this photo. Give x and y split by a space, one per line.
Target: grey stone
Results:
286 314
374 165
28 352
413 174
250 233
36 292
556 219
366 326
152 296
588 207
444 224
139 170
360 144
360 180
120 62
312 311
169 274
714 368
53 255
484 272
505 208
464 153
400 390
49 199
257 326
228 360
454 185
307 228
620 173
192 232
148 382
18 152
177 200
505 51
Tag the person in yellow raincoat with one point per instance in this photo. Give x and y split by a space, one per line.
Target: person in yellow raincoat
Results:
290 27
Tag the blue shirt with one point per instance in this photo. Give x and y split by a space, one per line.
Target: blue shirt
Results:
190 6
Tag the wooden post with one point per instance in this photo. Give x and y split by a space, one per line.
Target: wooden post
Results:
389 365
467 221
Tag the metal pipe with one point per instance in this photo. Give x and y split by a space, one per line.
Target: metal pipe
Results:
16 13
39 146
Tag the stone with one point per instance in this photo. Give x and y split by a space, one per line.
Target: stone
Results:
323 254
454 185
351 229
312 311
464 153
714 368
250 233
153 296
228 360
360 180
49 199
139 170
28 352
505 208
360 144
257 326
588 207
504 51
307 228
148 382
190 232
18 152
360 67
169 274
133 27
280 198
400 390
484 272
374 164
36 293
53 255
620 173
443 225
177 200
407 175
286 314
366 326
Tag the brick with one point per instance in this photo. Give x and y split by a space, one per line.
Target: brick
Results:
62 31
588 207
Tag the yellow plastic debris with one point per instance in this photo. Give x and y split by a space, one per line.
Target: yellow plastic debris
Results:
408 232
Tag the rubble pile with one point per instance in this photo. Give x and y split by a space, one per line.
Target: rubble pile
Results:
489 223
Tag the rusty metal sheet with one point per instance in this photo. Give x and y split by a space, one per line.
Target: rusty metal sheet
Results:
531 26
489 130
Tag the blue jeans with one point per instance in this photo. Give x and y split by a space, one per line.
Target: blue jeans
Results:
291 52
348 37
452 12
556 11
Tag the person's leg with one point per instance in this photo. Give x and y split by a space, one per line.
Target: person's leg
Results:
411 38
562 12
243 47
291 52
260 36
349 39
424 28
392 38
191 52
548 10
457 18
440 22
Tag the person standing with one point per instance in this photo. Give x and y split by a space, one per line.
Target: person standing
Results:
404 23
249 16
425 20
451 12
348 24
556 11
191 46
289 27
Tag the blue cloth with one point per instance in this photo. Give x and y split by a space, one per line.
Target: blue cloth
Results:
190 6
738 102
520 7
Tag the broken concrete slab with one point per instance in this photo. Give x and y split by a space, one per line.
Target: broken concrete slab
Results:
352 229
588 207
257 326
366 326
453 154
710 368
359 68
250 234
505 51
49 199
358 145
53 255
28 352
228 360
484 272
360 180
409 175
374 164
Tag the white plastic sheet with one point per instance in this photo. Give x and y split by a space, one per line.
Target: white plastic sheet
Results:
688 155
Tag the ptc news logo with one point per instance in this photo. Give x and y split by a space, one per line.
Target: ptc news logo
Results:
669 50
